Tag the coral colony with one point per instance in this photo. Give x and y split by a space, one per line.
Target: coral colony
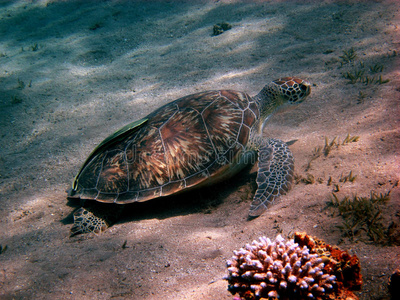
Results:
303 268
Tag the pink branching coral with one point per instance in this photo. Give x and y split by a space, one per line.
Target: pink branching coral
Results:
281 269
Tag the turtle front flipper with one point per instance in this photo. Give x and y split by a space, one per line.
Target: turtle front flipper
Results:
275 175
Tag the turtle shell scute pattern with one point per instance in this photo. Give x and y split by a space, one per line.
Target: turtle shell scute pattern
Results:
182 144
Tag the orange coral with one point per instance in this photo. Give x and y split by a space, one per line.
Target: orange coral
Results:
345 267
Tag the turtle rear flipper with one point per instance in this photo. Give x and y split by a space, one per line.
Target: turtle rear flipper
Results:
95 219
275 175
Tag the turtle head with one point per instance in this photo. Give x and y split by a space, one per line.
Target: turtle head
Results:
281 94
294 90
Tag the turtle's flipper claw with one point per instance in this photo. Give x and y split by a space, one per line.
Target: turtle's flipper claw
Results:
275 175
251 218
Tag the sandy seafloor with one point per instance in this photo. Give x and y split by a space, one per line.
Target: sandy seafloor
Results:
72 73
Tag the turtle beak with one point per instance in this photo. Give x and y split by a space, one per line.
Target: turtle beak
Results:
306 87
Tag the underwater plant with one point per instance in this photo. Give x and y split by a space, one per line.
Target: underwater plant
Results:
362 215
329 145
348 56
20 84
361 97
358 72
34 47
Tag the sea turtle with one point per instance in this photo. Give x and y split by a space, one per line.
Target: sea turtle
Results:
191 142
